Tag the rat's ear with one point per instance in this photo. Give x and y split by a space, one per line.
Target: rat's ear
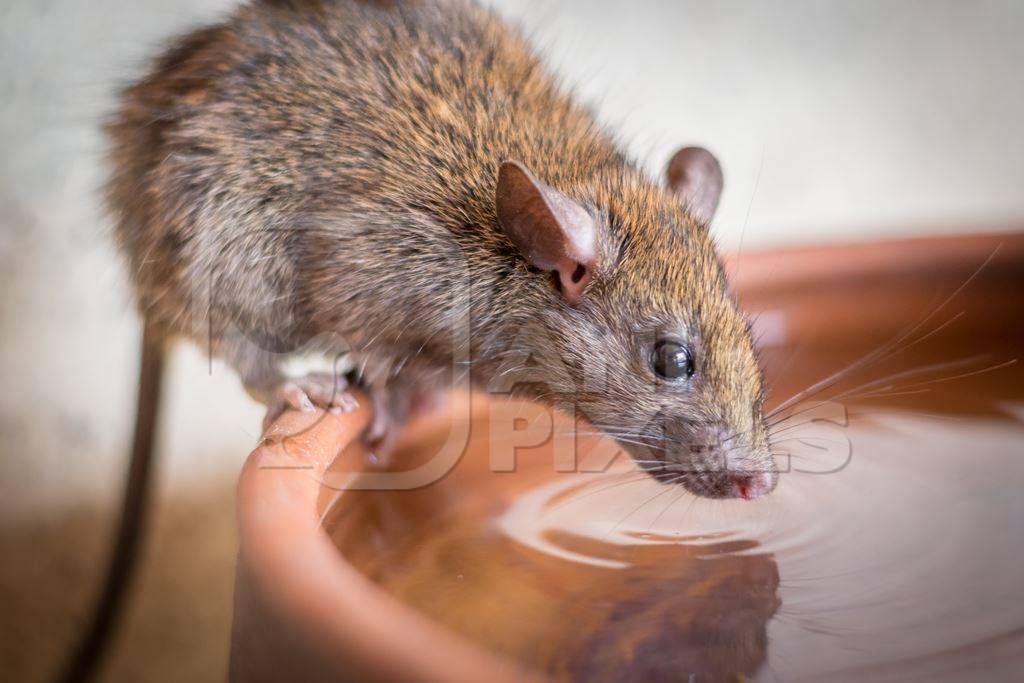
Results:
696 179
551 231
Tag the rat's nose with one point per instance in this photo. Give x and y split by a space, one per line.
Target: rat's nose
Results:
751 485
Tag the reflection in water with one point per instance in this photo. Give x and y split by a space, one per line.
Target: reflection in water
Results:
700 609
680 613
647 605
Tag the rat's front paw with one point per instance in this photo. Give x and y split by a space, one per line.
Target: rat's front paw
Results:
315 390
391 407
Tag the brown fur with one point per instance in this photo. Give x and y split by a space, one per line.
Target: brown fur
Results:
315 171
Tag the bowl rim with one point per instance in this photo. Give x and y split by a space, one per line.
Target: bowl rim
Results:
294 589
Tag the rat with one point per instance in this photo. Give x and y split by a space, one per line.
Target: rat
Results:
362 178
403 185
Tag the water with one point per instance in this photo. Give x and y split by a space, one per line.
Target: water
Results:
908 559
905 563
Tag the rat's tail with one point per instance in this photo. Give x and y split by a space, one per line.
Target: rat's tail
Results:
89 651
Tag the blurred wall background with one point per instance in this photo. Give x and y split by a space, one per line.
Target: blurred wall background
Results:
833 121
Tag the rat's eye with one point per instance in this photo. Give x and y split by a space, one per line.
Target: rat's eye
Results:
672 360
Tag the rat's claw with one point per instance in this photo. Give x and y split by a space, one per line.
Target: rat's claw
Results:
294 396
307 394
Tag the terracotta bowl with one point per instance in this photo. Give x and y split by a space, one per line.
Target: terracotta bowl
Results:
305 608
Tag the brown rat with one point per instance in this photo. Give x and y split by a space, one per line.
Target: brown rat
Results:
403 183
370 178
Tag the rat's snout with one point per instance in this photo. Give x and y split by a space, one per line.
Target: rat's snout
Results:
720 464
751 485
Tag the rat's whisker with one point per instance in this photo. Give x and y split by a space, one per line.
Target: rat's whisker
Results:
802 439
854 392
974 373
682 493
636 477
886 350
614 436
926 336
891 392
647 502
